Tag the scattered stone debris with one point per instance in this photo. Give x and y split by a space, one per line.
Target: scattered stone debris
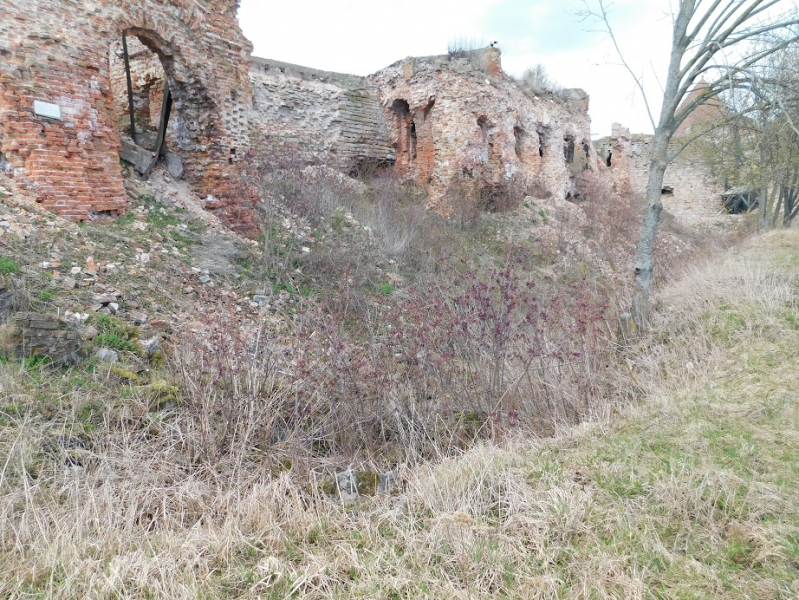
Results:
107 355
352 485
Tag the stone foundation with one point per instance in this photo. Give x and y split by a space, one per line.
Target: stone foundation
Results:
41 335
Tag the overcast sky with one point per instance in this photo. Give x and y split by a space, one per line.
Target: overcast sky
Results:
363 36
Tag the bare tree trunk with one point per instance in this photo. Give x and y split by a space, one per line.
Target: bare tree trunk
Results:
762 201
700 31
645 253
776 201
762 206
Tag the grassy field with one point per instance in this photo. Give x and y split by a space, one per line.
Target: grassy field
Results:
691 493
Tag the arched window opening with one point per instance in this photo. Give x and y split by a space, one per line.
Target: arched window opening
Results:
568 149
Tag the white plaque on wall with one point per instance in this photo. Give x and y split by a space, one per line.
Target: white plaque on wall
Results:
45 109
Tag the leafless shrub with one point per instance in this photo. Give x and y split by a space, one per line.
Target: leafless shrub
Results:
537 81
461 47
470 355
231 397
468 198
318 224
217 253
613 216
472 50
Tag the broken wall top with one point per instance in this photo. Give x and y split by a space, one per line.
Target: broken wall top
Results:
459 116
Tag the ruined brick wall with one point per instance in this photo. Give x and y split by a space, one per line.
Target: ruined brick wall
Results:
690 191
440 120
42 335
305 116
452 118
615 152
57 52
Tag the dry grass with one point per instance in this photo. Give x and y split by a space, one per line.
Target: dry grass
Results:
690 495
216 488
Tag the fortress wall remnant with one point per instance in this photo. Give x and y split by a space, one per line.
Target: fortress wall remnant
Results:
690 190
55 53
307 116
441 120
460 118
437 119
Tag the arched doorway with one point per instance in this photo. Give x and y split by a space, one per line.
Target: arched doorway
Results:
148 103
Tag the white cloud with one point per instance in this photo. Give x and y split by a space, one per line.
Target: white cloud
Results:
363 36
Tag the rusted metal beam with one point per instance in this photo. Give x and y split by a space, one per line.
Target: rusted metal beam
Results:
166 108
130 89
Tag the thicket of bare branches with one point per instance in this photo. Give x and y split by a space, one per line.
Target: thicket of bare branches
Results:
712 40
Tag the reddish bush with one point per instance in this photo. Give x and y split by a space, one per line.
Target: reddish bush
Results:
450 361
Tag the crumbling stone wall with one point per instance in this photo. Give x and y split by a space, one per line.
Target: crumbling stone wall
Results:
615 152
57 52
690 190
459 118
304 116
442 121
42 335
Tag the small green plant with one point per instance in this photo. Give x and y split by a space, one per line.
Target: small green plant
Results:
104 322
126 219
159 217
739 552
337 220
112 340
285 287
8 266
45 295
115 334
34 362
386 289
544 217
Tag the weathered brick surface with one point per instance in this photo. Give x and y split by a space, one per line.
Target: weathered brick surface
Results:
438 119
57 51
691 192
441 120
316 117
460 117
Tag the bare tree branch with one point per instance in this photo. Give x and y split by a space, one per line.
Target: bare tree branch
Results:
707 38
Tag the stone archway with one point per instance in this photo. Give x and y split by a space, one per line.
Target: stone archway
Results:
166 91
